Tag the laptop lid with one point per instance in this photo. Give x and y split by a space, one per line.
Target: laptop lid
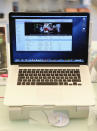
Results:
49 38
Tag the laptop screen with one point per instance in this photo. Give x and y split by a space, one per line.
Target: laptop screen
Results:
49 37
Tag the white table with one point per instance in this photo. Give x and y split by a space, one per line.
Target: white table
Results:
7 125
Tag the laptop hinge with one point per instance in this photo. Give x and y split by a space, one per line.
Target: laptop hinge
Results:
49 65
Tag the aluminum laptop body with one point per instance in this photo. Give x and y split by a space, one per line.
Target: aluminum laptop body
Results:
49 42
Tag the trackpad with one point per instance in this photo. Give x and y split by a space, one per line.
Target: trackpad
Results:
50 94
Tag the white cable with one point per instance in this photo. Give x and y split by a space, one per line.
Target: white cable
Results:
56 118
3 68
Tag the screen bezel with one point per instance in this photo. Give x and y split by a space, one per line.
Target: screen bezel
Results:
46 14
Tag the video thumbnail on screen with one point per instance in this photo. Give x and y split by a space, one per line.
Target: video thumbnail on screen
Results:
48 28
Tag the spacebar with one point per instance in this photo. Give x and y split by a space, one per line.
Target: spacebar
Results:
47 83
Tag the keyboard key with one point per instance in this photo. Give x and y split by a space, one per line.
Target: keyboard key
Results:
32 83
79 84
27 83
70 84
74 83
61 83
65 83
23 83
46 83
18 83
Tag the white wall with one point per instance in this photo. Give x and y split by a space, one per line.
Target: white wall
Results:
87 2
41 5
5 7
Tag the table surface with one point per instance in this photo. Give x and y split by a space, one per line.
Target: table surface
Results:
26 125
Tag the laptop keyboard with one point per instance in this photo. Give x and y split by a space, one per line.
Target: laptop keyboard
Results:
49 77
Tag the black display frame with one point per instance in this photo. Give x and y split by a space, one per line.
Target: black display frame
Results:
24 14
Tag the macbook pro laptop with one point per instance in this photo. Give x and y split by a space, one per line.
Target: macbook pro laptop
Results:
49 60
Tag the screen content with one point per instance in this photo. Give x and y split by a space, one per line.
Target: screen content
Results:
49 38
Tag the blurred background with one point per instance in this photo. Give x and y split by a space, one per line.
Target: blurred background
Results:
7 6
